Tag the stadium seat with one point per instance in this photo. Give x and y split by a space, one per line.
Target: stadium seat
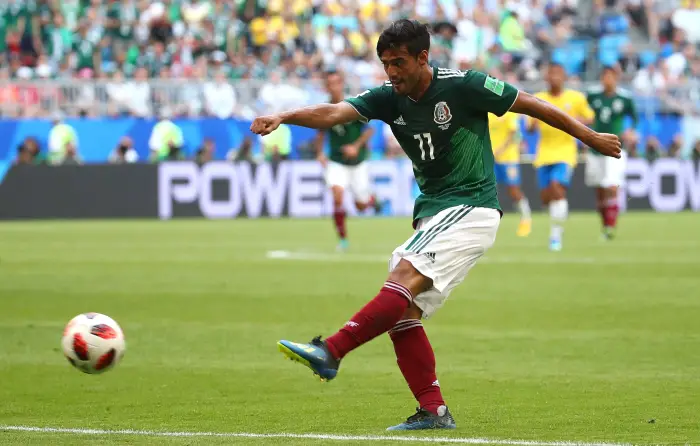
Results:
609 48
572 55
647 57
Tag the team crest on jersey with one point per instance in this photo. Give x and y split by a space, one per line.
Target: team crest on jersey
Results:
618 105
442 115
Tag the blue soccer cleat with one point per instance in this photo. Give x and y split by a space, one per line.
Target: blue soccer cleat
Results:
314 355
555 245
343 245
424 419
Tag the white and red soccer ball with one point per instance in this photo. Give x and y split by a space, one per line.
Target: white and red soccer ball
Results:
93 342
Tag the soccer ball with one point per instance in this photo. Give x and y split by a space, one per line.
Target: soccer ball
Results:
93 342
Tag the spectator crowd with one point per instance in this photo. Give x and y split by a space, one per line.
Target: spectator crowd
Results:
238 58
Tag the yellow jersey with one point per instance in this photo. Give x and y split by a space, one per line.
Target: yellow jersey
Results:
501 130
555 146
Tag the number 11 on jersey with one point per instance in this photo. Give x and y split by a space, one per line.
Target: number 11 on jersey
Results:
429 141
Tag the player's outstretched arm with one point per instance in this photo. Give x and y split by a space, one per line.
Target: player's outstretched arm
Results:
322 116
530 105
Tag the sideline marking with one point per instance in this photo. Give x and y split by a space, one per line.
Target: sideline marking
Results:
145 433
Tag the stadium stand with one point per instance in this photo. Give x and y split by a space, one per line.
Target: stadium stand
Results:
218 59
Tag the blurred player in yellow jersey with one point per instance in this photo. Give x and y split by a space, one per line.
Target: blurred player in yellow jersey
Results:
505 141
557 151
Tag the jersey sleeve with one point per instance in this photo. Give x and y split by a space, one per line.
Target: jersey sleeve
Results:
488 94
373 104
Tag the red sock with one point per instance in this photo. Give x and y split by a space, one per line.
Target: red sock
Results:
339 219
372 201
601 211
610 214
375 318
416 359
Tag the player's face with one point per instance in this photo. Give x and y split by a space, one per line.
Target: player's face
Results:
556 76
334 86
403 69
609 80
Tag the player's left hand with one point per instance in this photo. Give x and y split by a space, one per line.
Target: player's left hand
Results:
606 144
351 150
264 125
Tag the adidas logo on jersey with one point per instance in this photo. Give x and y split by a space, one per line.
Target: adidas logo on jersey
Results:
436 383
400 121
431 256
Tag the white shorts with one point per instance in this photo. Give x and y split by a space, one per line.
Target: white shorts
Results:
445 247
604 171
352 178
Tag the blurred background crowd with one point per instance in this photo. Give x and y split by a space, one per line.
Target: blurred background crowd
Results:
170 59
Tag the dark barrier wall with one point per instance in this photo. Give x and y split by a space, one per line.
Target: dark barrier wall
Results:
293 189
95 191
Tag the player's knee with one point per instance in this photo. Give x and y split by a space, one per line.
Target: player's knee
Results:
338 193
407 275
412 312
515 193
557 191
360 205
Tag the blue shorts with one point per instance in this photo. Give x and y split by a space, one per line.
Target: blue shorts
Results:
508 174
550 173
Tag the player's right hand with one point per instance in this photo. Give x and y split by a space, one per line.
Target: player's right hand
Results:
606 144
264 125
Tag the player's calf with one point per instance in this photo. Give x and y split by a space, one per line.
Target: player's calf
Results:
558 213
611 210
416 360
523 205
339 217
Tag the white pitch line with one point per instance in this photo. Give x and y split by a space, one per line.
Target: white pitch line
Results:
552 259
320 257
332 437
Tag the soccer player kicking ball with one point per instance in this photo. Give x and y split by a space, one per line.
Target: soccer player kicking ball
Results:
347 167
557 155
505 139
606 175
439 117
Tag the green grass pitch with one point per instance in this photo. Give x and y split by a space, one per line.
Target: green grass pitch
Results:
586 345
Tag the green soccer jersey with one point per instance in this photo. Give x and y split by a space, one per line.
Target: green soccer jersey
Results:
610 111
446 135
85 51
342 134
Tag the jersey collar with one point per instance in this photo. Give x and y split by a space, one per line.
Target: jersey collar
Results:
425 93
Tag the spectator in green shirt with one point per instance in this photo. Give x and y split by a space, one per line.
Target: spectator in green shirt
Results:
512 33
278 145
85 50
166 142
63 141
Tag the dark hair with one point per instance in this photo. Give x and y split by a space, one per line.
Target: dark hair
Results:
411 33
608 68
329 73
554 64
